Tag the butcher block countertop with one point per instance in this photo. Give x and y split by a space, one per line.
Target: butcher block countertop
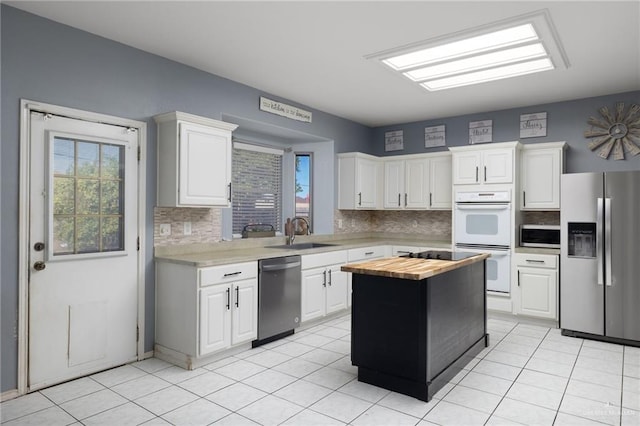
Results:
410 268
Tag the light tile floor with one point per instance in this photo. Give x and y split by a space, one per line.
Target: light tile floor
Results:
529 375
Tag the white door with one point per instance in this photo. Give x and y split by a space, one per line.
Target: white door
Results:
245 311
215 318
498 166
83 275
466 167
441 188
336 290
393 184
313 296
416 185
205 165
367 178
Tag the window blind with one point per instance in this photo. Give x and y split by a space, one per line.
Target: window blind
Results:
256 187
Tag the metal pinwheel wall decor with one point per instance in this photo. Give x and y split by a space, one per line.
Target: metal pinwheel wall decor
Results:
618 132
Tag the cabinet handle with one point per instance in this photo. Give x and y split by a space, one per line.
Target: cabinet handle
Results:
518 278
534 261
485 173
476 173
237 297
398 199
229 198
228 298
430 199
230 274
329 277
524 198
324 278
405 199
369 253
359 198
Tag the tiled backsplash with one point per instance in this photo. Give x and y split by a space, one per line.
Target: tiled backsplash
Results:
206 225
433 223
541 218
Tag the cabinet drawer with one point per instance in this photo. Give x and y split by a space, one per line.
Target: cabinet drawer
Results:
227 273
323 259
536 260
400 250
364 253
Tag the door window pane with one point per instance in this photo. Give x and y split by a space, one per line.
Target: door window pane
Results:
88 197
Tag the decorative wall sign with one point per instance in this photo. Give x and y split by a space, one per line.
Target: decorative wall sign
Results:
533 125
434 136
480 131
394 141
619 132
278 108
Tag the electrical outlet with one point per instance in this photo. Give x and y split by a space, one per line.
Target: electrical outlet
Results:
186 228
165 229
415 223
339 223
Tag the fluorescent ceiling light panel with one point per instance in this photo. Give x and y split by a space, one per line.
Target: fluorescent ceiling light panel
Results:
507 71
501 57
509 48
456 49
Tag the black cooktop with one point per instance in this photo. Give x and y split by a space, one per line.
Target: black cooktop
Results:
440 255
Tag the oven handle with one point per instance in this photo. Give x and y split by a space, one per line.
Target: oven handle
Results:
482 206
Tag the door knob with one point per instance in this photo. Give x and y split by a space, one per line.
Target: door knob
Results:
38 246
39 265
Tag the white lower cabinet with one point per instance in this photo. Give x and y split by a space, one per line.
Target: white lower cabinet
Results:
536 290
228 315
200 311
324 285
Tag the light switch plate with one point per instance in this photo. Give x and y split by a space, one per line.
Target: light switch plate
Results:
186 228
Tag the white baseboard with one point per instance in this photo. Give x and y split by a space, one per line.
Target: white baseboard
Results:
10 394
499 304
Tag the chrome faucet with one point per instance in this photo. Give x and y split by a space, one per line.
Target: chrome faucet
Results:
292 233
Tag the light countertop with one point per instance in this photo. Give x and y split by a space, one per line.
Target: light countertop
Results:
203 255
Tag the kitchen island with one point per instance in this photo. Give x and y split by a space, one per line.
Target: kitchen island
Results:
417 322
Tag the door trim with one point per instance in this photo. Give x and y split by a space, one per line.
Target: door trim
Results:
26 106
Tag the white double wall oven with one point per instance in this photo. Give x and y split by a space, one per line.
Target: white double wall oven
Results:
482 221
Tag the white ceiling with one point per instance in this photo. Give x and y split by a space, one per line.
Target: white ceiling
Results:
313 52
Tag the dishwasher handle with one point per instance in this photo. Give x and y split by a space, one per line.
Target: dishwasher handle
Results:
281 266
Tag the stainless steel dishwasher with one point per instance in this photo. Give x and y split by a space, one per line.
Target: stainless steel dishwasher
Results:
279 289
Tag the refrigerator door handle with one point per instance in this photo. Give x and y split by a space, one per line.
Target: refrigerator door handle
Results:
600 240
607 241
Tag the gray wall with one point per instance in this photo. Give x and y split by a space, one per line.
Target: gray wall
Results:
53 63
566 121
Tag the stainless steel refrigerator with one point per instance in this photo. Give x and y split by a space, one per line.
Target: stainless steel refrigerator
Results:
600 255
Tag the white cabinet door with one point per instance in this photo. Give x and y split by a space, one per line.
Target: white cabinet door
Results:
497 166
393 184
540 179
440 183
417 183
367 184
336 289
215 319
313 294
466 167
205 165
244 322
537 288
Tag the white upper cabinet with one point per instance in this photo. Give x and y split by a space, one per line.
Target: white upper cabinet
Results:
418 182
541 166
476 165
359 181
194 161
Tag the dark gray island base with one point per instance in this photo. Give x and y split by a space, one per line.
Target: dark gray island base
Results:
413 335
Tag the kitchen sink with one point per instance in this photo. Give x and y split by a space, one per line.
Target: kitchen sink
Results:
301 246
